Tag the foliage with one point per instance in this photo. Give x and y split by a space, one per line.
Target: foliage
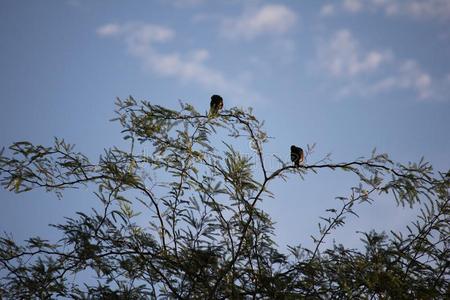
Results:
180 219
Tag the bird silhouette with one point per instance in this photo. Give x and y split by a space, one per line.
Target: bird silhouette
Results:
297 155
216 105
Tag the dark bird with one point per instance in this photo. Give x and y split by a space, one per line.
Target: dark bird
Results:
216 105
297 155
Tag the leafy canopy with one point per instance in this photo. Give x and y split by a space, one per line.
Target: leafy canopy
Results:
179 218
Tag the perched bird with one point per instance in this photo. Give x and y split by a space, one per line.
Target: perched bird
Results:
297 155
216 105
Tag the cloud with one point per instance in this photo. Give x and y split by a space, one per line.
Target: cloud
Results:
419 9
343 56
361 72
141 40
409 76
430 8
184 3
352 5
274 19
137 35
108 30
327 10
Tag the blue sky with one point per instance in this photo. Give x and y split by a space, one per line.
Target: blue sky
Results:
348 75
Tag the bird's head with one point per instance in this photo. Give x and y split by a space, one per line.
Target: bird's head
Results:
216 98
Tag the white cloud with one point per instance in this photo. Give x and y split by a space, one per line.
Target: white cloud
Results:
200 55
419 9
140 40
137 34
343 56
327 10
429 8
273 19
362 72
108 30
184 3
409 76
352 5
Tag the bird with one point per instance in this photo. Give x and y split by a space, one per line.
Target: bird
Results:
297 155
216 105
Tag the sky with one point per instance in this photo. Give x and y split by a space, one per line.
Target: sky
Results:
347 75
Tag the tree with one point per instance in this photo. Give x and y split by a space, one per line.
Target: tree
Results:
193 229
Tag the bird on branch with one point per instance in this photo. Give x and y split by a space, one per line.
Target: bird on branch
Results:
216 105
297 155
